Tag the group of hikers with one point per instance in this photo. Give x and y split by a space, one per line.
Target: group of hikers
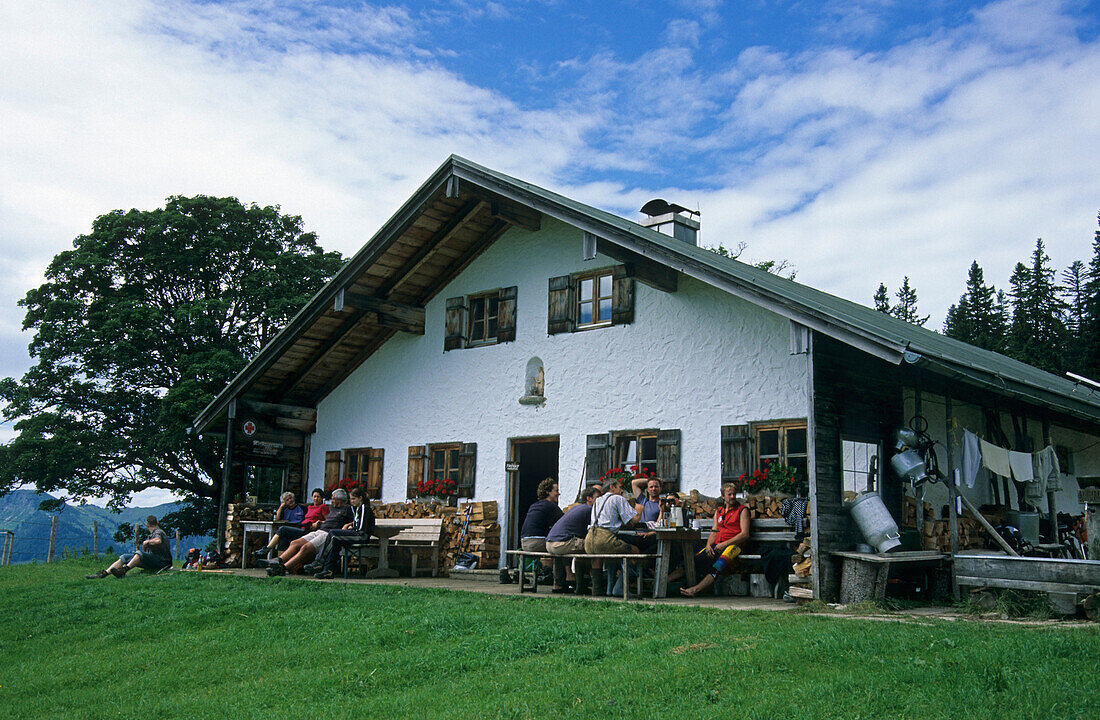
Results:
602 521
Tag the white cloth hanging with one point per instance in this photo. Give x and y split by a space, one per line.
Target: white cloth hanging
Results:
996 459
1020 462
971 457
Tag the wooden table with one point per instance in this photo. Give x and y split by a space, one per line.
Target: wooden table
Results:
666 538
863 575
264 526
385 533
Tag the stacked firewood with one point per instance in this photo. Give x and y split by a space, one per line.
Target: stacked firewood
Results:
762 506
482 533
234 534
937 533
802 561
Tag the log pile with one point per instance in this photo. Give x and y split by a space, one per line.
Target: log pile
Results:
937 533
762 506
234 534
802 561
482 535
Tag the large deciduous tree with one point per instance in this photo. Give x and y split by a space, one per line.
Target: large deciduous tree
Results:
136 329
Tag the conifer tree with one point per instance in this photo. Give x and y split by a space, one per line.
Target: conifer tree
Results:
882 299
1090 321
976 318
1038 332
906 309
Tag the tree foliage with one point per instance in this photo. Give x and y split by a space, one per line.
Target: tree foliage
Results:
906 307
1038 333
976 318
136 329
882 300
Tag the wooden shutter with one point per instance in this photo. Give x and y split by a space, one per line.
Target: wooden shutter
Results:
374 474
418 460
561 313
668 458
736 452
506 315
467 469
597 457
456 324
332 469
622 297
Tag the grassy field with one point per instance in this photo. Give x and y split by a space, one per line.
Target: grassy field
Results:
186 645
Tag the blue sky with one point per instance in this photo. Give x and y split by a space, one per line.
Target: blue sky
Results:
861 140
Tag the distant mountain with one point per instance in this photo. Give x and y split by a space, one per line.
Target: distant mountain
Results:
19 512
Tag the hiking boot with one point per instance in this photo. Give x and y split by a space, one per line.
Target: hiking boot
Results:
276 570
119 572
274 562
261 554
97 576
324 575
311 568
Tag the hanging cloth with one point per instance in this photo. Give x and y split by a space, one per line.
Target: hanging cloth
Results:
1020 462
996 459
1048 471
971 457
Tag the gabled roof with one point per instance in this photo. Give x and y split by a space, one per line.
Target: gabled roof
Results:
464 207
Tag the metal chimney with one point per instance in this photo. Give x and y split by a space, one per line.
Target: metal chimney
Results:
672 219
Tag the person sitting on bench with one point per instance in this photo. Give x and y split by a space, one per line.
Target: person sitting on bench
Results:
566 536
725 542
542 514
361 527
154 555
305 548
610 514
303 520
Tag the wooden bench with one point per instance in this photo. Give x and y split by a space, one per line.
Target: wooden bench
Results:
418 536
521 556
767 530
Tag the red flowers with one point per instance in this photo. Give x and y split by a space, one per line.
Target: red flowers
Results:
436 487
627 476
773 476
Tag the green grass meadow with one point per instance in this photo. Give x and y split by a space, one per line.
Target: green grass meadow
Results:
189 645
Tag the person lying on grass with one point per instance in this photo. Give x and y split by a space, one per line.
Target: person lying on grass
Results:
302 521
361 526
305 548
154 554
724 544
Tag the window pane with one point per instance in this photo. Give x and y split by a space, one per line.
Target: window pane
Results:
494 304
769 442
649 450
353 464
492 329
477 331
605 286
796 441
477 309
799 464
585 314
439 459
586 289
605 309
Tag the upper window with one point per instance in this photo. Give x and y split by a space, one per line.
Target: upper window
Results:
589 300
363 465
636 449
782 443
486 318
594 300
484 311
443 461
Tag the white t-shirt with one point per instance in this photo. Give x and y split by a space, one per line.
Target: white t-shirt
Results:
612 512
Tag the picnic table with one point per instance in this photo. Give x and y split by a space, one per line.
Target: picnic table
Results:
666 539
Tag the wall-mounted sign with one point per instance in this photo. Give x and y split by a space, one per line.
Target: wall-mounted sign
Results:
259 447
249 428
511 466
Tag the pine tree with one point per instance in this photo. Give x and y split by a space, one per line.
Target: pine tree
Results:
882 299
976 318
1038 332
906 309
1073 292
1090 325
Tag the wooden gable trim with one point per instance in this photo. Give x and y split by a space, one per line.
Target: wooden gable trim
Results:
639 267
399 316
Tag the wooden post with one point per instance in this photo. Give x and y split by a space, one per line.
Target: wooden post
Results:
919 491
53 538
95 538
137 542
177 545
227 461
952 473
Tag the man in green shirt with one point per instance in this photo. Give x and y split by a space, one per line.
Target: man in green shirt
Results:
154 554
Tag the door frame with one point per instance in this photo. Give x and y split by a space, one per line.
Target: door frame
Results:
511 489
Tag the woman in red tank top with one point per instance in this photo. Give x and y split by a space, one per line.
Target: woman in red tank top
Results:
730 532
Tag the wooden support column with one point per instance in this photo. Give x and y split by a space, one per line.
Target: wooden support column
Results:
53 538
952 475
811 468
919 491
227 459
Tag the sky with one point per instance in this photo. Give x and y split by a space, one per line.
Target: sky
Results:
861 140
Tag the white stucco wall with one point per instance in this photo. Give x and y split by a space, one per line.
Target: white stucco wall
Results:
695 360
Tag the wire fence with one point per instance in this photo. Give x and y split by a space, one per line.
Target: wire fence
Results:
38 541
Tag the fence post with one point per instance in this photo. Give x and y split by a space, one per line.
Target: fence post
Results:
53 536
137 543
95 538
177 545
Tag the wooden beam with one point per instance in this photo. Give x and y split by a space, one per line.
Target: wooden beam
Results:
285 411
515 214
641 268
318 355
399 316
463 216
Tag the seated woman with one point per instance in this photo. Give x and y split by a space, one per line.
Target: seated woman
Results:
305 548
301 521
727 538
